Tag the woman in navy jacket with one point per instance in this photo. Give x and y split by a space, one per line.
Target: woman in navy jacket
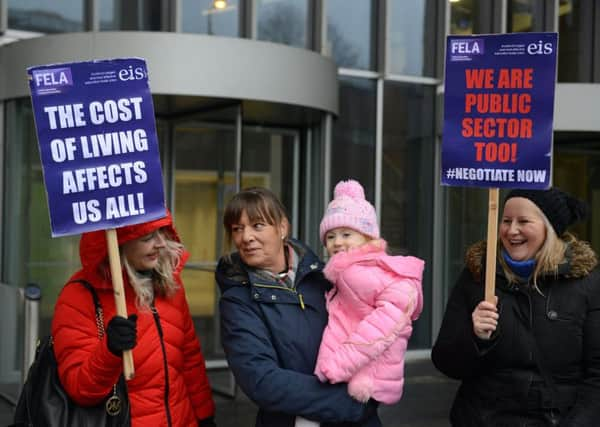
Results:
272 317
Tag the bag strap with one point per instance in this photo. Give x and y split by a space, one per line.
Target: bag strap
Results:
97 305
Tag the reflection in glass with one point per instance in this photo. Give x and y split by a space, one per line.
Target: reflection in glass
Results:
473 16
130 15
34 256
410 39
204 180
575 26
57 16
351 33
201 16
406 190
462 17
282 21
465 224
353 139
525 16
268 161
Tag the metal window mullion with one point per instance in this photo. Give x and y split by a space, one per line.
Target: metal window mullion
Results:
171 165
378 147
91 17
323 28
314 27
172 16
296 185
596 44
2 150
327 138
501 13
439 228
3 16
381 38
238 149
307 223
248 28
552 15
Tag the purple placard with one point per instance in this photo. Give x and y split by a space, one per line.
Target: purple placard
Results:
98 144
498 110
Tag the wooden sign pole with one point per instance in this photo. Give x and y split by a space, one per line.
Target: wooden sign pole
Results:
492 239
119 292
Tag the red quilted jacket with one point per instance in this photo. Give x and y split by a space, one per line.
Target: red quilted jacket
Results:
170 387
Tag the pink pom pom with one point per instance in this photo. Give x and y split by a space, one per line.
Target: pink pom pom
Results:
350 188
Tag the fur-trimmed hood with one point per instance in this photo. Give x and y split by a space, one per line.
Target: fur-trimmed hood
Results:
581 260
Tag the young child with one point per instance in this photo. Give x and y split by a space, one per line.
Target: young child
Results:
374 299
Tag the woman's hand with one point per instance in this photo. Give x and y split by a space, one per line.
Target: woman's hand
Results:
485 319
121 334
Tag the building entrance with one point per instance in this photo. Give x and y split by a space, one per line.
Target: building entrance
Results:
207 157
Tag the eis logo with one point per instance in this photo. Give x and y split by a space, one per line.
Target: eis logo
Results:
539 48
132 73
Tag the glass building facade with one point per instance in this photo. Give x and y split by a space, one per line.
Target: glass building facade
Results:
383 129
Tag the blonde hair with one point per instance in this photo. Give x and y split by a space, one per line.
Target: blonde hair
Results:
547 259
161 281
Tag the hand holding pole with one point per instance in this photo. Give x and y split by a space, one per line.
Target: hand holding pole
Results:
119 292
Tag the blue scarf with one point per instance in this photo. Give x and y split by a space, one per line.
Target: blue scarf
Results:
523 269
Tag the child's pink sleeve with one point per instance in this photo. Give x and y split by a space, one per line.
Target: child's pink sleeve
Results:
390 320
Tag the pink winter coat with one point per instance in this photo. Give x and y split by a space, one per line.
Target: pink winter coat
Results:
371 307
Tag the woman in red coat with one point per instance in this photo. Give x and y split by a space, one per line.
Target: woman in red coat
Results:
170 387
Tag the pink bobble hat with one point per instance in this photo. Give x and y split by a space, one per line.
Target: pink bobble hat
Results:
350 209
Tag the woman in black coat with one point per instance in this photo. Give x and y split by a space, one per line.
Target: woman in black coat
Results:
533 358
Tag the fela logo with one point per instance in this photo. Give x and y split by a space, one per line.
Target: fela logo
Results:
52 77
467 47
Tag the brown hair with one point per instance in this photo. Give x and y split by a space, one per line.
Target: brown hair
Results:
260 204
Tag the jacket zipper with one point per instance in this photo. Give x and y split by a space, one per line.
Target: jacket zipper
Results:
165 364
300 298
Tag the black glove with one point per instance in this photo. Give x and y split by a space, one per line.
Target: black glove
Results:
207 422
121 334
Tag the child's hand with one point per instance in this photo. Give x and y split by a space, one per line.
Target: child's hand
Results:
320 376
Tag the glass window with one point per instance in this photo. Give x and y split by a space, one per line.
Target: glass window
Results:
473 17
410 39
57 16
525 16
407 183
282 21
311 190
351 33
204 179
130 15
268 161
576 169
35 257
465 224
353 139
461 17
204 18
575 43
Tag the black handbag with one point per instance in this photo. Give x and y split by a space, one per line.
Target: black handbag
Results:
44 402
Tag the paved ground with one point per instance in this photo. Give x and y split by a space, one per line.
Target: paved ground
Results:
426 402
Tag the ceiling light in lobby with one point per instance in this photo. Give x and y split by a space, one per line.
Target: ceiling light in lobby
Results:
220 4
